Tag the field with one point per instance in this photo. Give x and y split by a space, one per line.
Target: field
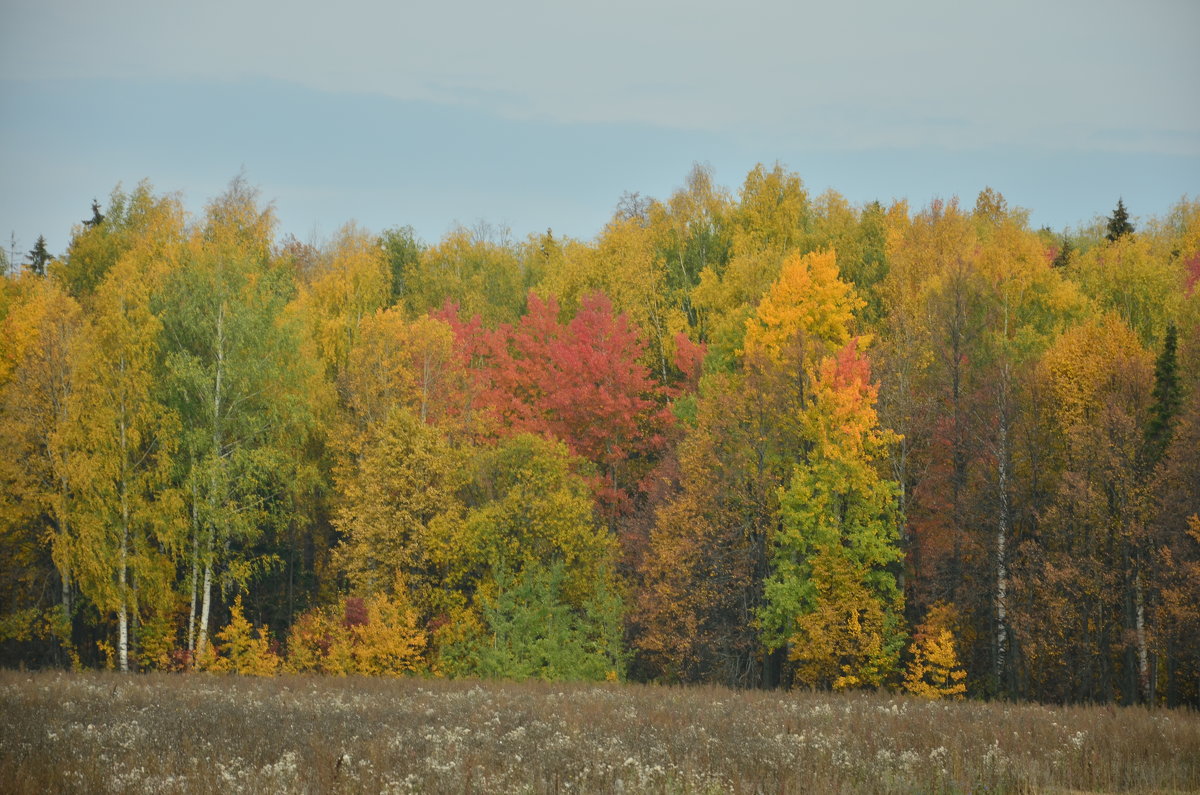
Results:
198 733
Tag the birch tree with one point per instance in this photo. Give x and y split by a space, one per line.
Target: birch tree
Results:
238 384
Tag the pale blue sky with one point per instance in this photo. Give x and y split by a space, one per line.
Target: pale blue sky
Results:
541 114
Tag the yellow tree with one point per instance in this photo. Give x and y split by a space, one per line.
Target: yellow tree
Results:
351 284
401 482
39 332
1092 538
769 224
119 443
400 362
934 670
98 244
477 269
806 315
1128 277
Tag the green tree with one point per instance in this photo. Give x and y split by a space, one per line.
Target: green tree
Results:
38 257
1167 399
526 506
533 632
832 594
402 251
241 391
1118 224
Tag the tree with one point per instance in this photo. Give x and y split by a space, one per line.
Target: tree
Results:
526 506
95 248
398 362
241 392
832 593
1078 583
119 441
37 374
38 257
581 382
1118 223
934 670
97 216
533 632
376 635
1062 257
395 487
695 618
1167 398
402 251
243 648
349 285
477 269
807 313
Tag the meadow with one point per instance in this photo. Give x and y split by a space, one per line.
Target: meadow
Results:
167 733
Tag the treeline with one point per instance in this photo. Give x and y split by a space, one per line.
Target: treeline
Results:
761 439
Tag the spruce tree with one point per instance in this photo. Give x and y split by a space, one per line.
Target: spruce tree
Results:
1063 257
1118 223
1167 397
97 217
39 256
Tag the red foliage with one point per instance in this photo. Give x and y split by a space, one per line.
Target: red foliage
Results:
689 357
1192 269
852 371
581 382
356 612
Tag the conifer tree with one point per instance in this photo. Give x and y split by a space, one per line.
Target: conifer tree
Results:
39 256
1167 397
1118 222
1063 257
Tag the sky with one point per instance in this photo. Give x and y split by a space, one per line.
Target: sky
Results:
538 115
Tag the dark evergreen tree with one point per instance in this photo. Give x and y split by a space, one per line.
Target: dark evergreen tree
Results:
97 217
38 256
1063 257
1118 223
1167 397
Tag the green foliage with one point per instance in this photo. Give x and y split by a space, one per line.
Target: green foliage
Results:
39 257
1119 224
402 250
531 631
1167 399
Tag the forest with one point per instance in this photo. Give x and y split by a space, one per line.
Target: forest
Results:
757 438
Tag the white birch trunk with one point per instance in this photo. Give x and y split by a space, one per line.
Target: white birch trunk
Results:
206 602
1143 654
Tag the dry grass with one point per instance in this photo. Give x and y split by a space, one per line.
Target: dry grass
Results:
172 733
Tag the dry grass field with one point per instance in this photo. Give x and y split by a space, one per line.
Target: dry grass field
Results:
167 733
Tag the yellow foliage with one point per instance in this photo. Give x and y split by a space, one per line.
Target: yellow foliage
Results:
1081 364
353 284
935 671
808 306
244 649
843 642
375 636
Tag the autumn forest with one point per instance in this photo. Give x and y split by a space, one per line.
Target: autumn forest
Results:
757 437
